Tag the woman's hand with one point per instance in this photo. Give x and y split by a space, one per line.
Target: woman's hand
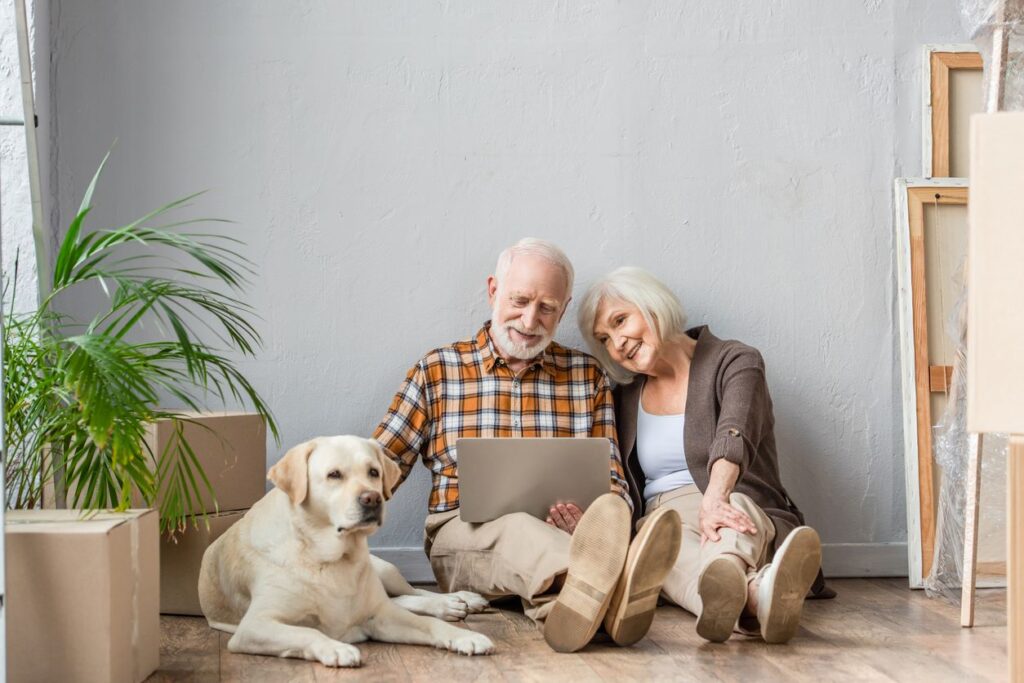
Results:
565 516
716 512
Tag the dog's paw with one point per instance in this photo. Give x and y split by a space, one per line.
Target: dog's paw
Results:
447 606
474 602
451 607
335 653
469 643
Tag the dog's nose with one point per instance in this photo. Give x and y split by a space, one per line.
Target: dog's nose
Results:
369 499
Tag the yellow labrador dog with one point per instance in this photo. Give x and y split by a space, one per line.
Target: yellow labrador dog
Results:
295 578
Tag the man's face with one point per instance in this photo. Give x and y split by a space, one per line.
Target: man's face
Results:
526 306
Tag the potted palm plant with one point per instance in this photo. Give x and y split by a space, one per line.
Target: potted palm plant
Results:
79 397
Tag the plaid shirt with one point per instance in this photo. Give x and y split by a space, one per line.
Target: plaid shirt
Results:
467 390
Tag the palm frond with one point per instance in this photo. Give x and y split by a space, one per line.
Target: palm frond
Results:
80 398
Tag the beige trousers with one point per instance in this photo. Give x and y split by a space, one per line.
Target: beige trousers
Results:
749 551
516 554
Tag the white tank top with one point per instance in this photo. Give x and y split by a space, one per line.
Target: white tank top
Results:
659 446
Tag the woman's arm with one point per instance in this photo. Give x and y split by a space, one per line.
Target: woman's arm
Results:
745 408
744 414
715 510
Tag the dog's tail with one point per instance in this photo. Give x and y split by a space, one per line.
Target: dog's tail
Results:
220 626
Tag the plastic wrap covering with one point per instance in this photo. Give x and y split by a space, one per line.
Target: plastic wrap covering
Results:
997 28
950 445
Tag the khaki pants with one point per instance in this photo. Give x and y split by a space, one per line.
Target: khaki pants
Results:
750 551
516 554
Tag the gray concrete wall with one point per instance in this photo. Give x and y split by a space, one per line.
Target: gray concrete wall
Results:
377 156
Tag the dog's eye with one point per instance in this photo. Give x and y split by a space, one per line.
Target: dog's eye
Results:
334 474
374 473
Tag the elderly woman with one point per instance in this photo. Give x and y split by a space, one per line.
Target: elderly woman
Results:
696 434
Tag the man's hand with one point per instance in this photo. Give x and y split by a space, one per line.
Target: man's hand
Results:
716 513
565 516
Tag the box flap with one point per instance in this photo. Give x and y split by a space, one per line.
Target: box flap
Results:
68 521
193 414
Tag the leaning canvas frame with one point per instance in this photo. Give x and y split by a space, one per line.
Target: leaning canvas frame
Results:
912 194
938 61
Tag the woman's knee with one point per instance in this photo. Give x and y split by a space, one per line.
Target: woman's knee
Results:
743 502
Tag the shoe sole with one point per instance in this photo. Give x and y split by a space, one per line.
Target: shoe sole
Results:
722 587
652 554
596 555
796 566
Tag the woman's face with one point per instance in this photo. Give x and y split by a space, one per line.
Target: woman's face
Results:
627 337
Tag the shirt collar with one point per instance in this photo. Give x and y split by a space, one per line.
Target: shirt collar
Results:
490 358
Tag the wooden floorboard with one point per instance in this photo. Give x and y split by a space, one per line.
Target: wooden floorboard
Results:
876 630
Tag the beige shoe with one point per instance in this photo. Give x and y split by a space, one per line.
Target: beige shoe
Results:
596 555
722 587
651 555
785 582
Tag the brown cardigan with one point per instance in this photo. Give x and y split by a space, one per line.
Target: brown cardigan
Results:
728 415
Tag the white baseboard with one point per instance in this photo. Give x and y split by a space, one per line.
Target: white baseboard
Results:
839 560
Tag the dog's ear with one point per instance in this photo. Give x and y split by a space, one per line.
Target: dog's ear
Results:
290 473
391 472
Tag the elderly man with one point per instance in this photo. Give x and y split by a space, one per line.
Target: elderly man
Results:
576 570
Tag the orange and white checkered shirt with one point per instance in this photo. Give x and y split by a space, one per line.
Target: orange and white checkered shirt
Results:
467 390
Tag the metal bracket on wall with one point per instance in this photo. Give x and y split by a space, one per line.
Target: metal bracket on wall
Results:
19 122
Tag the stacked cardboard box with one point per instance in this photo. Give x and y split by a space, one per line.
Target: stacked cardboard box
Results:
82 595
232 448
180 559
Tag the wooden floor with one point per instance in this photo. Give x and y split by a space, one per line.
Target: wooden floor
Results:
876 630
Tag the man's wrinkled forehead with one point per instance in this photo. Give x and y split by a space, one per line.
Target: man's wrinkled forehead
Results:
532 276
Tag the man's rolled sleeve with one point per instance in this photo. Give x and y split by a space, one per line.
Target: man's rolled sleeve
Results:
604 426
406 427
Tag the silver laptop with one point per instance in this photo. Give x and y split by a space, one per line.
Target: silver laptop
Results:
501 476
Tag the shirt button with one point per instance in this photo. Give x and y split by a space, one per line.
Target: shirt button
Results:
734 432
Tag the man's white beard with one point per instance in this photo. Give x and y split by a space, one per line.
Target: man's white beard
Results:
516 349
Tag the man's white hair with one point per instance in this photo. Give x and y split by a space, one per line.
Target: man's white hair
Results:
531 246
637 287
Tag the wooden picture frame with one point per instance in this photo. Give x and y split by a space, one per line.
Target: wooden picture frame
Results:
918 378
939 62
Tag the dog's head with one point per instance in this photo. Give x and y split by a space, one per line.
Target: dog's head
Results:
342 481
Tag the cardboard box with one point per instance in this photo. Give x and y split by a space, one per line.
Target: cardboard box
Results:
180 560
231 447
82 596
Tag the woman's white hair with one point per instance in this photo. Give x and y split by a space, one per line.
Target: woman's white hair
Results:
531 246
637 287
